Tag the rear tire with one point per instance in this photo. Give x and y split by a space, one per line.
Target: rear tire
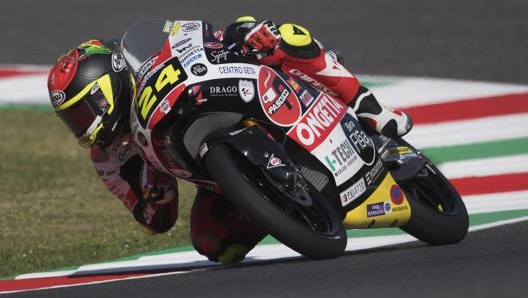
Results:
315 231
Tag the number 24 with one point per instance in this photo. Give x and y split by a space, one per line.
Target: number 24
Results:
167 76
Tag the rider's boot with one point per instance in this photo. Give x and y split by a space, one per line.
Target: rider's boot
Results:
219 230
327 69
389 122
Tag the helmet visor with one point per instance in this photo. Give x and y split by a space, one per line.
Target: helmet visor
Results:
85 116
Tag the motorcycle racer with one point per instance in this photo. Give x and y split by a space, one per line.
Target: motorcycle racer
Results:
91 90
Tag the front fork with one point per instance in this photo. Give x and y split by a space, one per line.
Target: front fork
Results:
261 150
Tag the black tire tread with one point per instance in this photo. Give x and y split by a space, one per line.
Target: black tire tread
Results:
266 215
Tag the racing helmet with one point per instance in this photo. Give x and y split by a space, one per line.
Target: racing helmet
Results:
233 35
91 90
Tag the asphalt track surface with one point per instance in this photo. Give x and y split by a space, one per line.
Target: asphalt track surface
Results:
484 40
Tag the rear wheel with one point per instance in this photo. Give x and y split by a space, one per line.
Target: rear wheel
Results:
300 217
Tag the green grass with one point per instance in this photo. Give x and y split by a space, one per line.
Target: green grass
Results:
54 211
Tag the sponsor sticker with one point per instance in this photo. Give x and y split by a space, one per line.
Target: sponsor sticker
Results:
318 122
277 99
213 45
400 208
404 150
118 61
353 192
226 90
360 141
199 69
311 81
165 106
94 89
246 90
175 28
183 49
187 27
295 86
191 59
341 158
238 70
219 56
396 195
57 97
274 162
168 26
193 53
181 42
374 172
306 98
145 67
378 209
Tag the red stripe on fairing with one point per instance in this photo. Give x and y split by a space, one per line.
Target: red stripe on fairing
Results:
469 108
48 282
12 72
491 184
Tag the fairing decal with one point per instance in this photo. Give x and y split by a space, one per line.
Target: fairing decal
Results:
386 207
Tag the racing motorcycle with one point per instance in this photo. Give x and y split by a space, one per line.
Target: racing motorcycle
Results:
292 158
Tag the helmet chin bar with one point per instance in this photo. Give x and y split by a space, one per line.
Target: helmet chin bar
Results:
108 134
88 138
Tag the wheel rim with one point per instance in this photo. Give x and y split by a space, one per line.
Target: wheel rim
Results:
428 186
314 215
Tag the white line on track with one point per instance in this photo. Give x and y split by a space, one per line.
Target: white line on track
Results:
192 260
494 202
415 91
27 89
480 167
469 131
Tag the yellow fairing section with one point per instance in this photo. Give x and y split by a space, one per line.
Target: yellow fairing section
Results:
295 35
382 209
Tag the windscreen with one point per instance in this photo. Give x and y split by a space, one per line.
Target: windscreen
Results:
143 39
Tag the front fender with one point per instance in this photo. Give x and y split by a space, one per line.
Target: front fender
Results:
258 148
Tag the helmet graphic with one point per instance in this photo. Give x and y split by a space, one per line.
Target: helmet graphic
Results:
233 36
91 91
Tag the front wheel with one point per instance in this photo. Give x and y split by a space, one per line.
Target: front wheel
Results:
309 225
438 215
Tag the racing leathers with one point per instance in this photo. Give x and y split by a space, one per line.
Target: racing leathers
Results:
218 229
294 51
150 195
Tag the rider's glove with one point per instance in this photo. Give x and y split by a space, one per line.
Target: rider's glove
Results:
158 187
264 37
157 208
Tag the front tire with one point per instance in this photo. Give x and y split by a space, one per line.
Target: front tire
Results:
438 214
315 231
